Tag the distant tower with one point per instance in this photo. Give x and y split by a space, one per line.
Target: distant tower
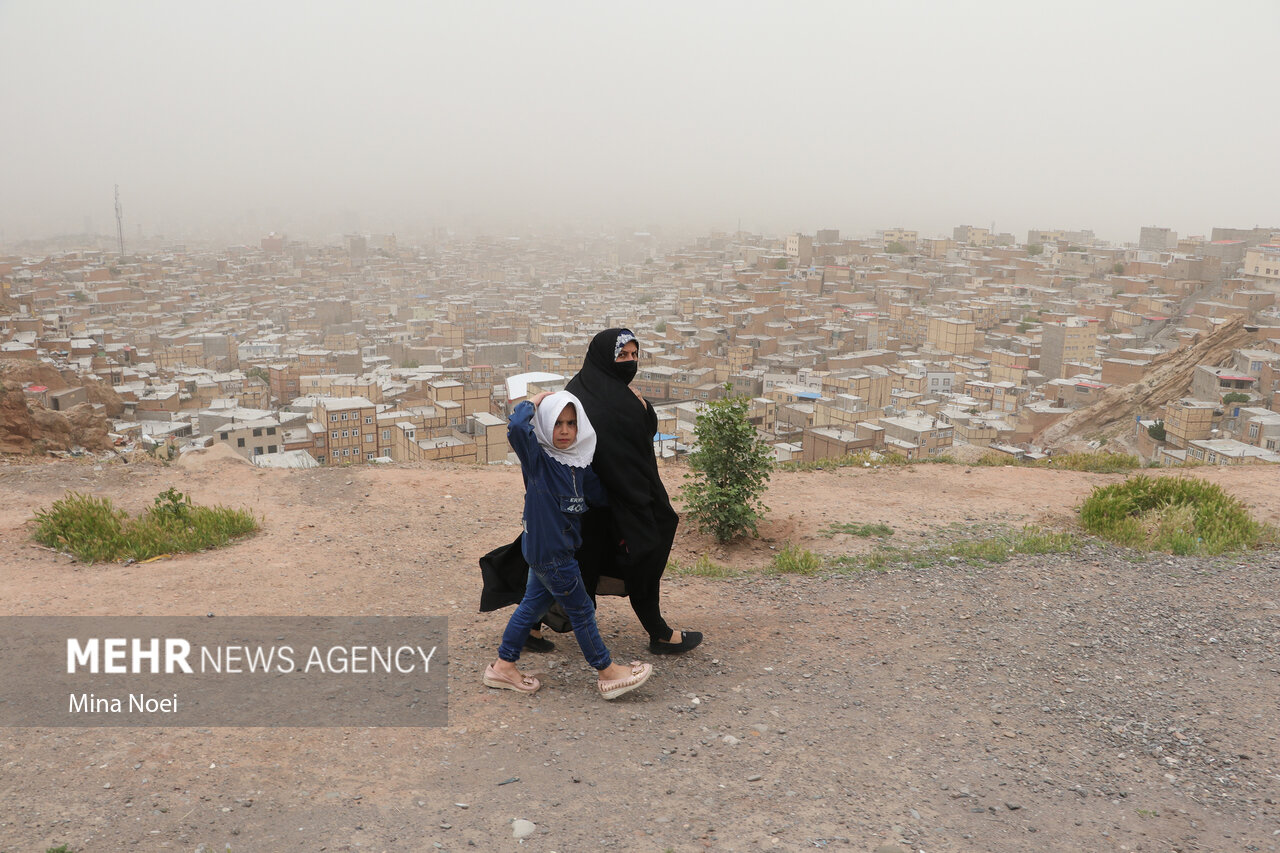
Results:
119 221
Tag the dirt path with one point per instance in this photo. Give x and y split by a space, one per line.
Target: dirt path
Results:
1091 701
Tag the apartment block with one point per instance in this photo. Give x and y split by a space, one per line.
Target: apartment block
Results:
1269 383
819 443
1261 428
904 236
351 429
551 361
1262 266
1063 345
405 424
252 438
800 247
469 399
1157 239
975 431
452 447
995 396
326 361
842 410
1188 420
1212 383
1123 371
936 247
948 334
489 434
918 436
874 388
1228 451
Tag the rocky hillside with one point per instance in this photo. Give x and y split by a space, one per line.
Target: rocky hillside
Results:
1112 416
27 427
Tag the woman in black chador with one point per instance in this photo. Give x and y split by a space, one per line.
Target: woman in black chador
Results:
630 539
626 544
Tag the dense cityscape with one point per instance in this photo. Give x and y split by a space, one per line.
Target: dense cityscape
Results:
294 354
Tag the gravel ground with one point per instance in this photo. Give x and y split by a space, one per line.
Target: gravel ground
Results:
1097 700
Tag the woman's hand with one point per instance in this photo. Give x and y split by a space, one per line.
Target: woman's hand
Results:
539 397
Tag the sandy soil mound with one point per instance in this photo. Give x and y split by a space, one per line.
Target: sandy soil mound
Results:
198 460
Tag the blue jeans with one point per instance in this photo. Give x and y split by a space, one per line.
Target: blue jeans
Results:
563 584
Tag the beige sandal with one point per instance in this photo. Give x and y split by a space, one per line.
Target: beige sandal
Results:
615 687
526 683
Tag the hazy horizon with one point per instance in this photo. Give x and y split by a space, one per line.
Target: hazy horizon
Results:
230 120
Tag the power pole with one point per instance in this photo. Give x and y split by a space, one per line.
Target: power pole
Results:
119 221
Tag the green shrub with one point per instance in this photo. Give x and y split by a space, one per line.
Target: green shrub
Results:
207 527
1180 515
90 528
93 530
794 560
171 506
729 471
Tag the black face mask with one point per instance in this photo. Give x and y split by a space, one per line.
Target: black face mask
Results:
604 349
625 370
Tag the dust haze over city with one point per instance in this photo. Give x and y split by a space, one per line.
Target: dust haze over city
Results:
222 122
307 260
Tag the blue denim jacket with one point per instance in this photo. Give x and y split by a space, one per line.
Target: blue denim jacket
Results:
555 495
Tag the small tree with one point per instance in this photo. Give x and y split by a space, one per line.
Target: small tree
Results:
896 248
730 471
1156 431
1234 397
1035 249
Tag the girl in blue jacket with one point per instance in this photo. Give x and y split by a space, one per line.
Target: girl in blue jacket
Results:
554 441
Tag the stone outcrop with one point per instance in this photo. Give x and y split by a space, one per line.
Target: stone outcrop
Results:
34 429
1112 417
16 424
27 427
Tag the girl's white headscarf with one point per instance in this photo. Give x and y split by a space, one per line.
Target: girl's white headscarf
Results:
578 454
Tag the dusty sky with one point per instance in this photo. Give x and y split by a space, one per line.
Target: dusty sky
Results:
229 119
